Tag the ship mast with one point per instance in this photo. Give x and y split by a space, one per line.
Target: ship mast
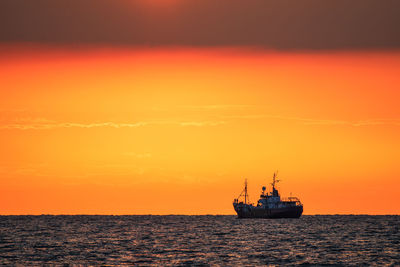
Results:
274 181
245 191
246 196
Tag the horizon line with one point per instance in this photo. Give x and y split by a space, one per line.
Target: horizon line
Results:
82 214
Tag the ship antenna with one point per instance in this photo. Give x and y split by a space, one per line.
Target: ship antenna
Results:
274 181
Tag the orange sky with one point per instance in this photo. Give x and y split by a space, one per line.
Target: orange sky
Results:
176 130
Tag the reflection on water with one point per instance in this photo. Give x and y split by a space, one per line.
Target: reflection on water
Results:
199 240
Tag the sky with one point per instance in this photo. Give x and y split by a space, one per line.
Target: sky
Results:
272 24
165 107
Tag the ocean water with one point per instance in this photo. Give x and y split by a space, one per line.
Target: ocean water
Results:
199 240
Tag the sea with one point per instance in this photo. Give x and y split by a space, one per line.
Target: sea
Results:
205 240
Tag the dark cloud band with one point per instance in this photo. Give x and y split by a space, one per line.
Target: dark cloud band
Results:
273 24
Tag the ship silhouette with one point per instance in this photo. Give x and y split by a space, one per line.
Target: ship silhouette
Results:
270 205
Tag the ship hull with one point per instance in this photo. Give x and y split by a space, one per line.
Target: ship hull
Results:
247 211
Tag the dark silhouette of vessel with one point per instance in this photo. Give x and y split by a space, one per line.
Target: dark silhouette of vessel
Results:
270 205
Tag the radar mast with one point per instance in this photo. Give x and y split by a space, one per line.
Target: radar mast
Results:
274 180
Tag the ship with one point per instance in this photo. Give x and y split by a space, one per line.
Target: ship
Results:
269 206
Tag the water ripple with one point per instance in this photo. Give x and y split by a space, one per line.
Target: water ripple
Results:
199 240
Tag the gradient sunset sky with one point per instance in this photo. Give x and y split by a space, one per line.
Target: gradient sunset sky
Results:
165 106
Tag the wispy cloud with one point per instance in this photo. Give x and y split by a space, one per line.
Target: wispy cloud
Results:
47 124
201 123
138 155
377 122
349 123
311 121
216 107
